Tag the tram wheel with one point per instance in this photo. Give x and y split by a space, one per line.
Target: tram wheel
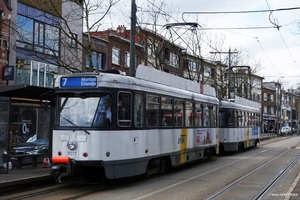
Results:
208 154
255 144
147 173
240 147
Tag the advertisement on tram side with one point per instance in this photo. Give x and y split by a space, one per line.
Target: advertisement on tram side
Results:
205 136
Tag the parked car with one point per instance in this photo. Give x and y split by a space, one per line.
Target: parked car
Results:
34 147
286 130
31 146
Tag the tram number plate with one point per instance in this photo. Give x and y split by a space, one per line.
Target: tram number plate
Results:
180 140
72 153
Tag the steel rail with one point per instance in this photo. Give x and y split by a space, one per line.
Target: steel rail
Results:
250 173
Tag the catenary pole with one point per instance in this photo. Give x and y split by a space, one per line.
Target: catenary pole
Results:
230 85
132 39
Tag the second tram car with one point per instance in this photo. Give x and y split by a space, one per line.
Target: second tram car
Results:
112 126
239 125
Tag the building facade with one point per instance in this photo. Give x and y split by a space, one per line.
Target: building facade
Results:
5 31
270 116
36 49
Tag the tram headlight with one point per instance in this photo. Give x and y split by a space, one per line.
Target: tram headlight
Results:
71 145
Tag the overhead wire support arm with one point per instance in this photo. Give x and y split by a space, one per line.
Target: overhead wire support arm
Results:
193 24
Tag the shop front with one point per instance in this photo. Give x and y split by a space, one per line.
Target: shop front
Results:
269 123
24 123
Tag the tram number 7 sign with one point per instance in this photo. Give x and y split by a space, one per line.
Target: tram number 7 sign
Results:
90 81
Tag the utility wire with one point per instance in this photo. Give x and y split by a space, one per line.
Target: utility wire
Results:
239 12
276 21
268 56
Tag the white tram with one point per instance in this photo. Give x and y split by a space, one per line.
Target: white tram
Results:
239 124
112 126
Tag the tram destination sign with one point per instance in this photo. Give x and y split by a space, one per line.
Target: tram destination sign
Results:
87 81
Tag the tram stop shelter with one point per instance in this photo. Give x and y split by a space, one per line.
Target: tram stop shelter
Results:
23 118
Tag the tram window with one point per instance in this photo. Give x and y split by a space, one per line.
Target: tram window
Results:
152 111
240 119
223 119
213 116
138 110
206 115
235 120
189 114
246 119
178 113
198 115
124 108
257 120
166 111
250 119
231 118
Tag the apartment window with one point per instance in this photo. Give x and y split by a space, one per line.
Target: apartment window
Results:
174 60
127 59
207 71
73 40
192 66
150 50
258 98
98 61
265 97
265 109
272 98
37 36
272 110
116 56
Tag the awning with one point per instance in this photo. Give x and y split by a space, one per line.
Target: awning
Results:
26 91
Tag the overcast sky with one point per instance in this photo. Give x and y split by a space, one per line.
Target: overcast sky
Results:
278 51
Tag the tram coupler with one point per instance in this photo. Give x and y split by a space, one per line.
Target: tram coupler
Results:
62 167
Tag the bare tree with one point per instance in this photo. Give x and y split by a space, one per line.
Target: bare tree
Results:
152 19
242 70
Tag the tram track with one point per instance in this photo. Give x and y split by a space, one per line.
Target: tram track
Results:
44 191
212 181
273 182
268 186
172 181
82 189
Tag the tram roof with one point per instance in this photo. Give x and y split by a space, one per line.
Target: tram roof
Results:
232 105
25 91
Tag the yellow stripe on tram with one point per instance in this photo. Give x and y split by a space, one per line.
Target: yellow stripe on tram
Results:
183 145
248 138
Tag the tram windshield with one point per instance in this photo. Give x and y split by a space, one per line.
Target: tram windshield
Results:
83 110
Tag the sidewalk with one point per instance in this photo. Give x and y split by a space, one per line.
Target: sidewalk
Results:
26 175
